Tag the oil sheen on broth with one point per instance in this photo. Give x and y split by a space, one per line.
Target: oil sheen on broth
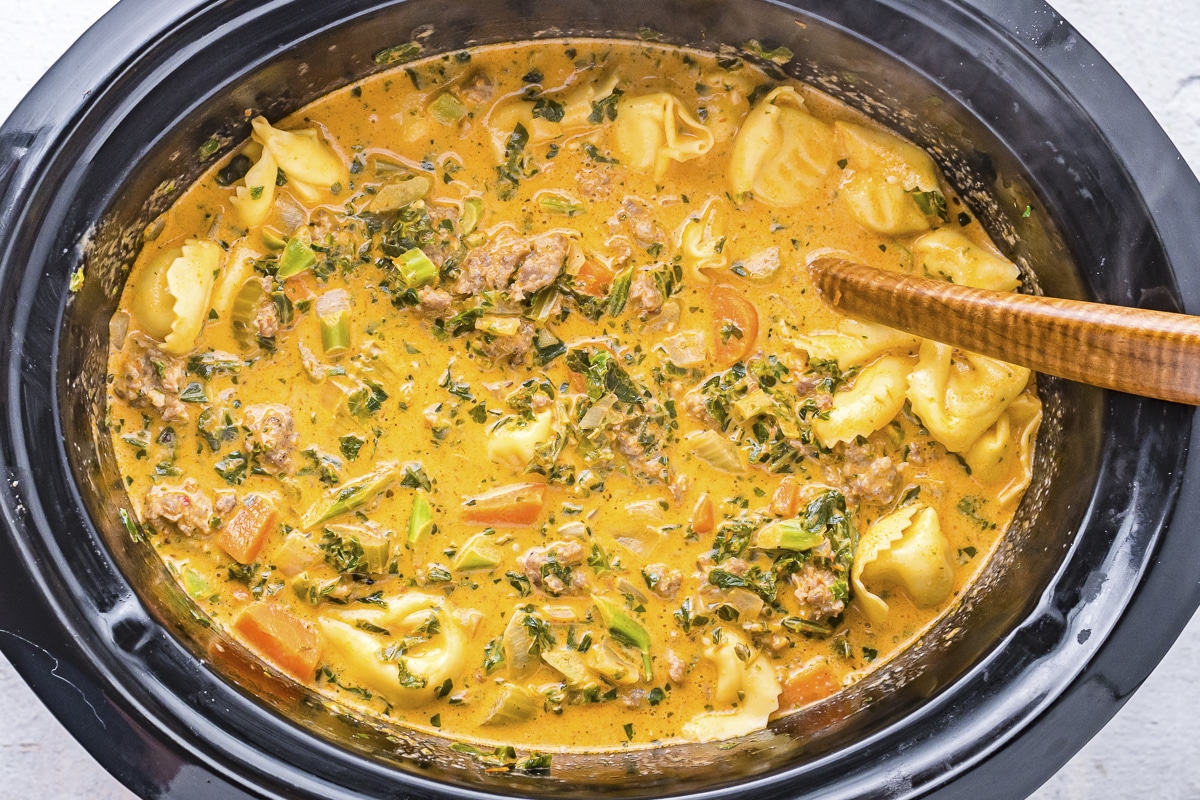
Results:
491 396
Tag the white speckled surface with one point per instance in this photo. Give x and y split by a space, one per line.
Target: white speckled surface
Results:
1152 746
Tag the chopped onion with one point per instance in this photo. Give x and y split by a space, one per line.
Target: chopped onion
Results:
717 451
518 644
574 529
649 510
624 586
594 418
685 349
748 604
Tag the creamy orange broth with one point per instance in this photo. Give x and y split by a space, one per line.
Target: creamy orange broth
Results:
670 576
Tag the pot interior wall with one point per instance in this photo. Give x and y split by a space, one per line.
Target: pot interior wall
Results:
199 80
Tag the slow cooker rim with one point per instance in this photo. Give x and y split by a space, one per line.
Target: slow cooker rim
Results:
47 86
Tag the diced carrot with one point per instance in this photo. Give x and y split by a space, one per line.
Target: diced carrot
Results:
703 516
807 685
594 278
514 504
734 326
786 500
301 286
244 535
286 641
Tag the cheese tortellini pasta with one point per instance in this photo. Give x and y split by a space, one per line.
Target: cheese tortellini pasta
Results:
173 293
513 442
747 687
947 254
781 154
254 201
905 549
959 395
726 102
702 241
404 651
882 174
654 130
311 165
1003 456
872 402
854 342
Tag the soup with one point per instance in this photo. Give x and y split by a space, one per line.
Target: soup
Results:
489 396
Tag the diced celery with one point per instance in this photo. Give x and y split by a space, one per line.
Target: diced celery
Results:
195 584
626 630
513 704
297 256
753 404
447 109
245 307
333 309
471 214
477 553
420 520
415 268
398 194
558 204
786 534
335 333
273 239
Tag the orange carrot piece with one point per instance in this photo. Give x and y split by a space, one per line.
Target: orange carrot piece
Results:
286 641
806 686
514 504
786 500
594 278
703 515
243 537
734 326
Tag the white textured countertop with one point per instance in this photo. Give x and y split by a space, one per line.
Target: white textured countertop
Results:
1151 747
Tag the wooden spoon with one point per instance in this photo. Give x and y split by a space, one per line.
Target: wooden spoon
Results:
1148 353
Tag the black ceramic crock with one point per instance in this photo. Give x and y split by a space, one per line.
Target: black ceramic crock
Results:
1051 150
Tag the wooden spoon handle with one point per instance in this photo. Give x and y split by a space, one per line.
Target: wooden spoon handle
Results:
1148 353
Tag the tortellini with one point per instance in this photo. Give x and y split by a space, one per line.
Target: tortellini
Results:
702 242
513 442
872 402
781 154
170 298
882 173
254 201
1000 456
906 549
744 678
311 166
422 648
854 342
726 102
653 130
958 395
949 255
578 104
